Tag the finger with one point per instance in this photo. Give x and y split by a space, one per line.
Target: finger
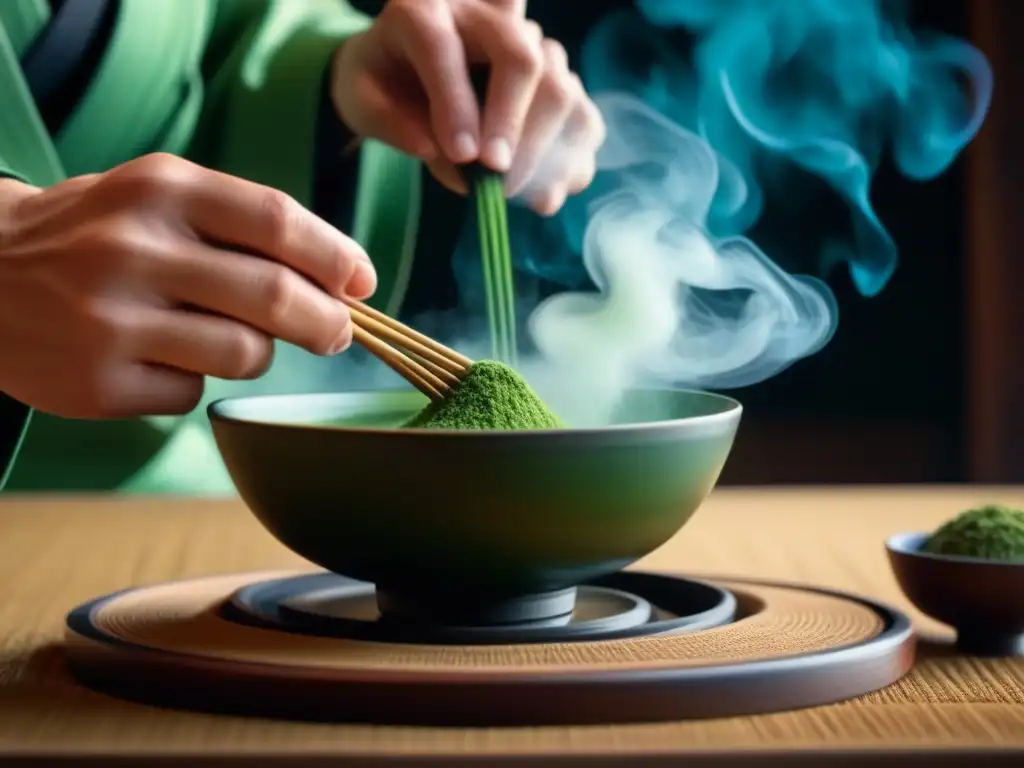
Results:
426 36
449 175
152 390
572 178
259 293
514 7
573 163
230 211
583 174
201 343
550 200
585 125
552 105
512 47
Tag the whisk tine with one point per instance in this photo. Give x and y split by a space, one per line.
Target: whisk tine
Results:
428 365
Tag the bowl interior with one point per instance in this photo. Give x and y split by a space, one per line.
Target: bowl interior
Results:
391 409
912 544
908 543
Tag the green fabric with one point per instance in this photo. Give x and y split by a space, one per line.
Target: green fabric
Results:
24 150
232 84
23 20
387 219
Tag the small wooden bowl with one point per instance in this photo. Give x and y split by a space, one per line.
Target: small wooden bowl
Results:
983 600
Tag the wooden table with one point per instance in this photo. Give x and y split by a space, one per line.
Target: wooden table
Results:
58 552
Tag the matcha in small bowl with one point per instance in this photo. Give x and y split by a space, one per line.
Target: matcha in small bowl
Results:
968 574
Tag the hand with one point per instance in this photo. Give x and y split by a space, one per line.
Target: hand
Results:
405 82
119 292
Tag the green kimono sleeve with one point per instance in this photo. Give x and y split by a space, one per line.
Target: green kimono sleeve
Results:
247 105
266 64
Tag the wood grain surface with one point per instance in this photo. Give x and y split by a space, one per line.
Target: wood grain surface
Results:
58 552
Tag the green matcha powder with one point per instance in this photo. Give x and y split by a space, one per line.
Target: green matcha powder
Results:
992 533
491 396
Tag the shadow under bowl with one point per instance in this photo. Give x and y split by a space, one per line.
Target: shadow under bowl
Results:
435 518
983 600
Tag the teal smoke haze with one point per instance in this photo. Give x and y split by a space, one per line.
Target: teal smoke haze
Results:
714 107
673 302
823 85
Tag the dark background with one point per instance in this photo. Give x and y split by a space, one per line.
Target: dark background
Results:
921 383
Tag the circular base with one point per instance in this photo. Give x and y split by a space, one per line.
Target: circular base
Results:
974 642
328 605
788 647
549 609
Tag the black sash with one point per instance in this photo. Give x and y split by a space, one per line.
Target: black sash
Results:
60 62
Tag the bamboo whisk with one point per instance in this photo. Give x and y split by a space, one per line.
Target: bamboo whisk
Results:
428 365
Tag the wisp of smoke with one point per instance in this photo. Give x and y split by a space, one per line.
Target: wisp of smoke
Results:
696 141
673 303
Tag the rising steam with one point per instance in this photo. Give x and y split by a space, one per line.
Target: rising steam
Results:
674 303
682 298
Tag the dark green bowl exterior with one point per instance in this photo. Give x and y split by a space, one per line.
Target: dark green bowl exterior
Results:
418 511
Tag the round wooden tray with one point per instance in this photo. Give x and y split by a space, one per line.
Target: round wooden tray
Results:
790 646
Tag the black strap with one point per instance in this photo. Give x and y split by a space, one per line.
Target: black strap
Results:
60 62
369 7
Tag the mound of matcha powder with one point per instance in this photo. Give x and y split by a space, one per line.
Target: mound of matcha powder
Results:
491 396
992 532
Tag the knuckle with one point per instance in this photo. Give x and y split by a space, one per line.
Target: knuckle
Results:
557 91
523 54
533 31
150 176
247 354
523 59
555 53
419 17
281 214
280 291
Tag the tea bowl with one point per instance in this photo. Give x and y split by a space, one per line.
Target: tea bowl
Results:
471 518
983 600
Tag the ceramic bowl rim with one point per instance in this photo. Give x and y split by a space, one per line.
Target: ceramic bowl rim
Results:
731 413
908 544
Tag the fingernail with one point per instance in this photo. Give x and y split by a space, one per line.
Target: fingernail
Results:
465 147
498 155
